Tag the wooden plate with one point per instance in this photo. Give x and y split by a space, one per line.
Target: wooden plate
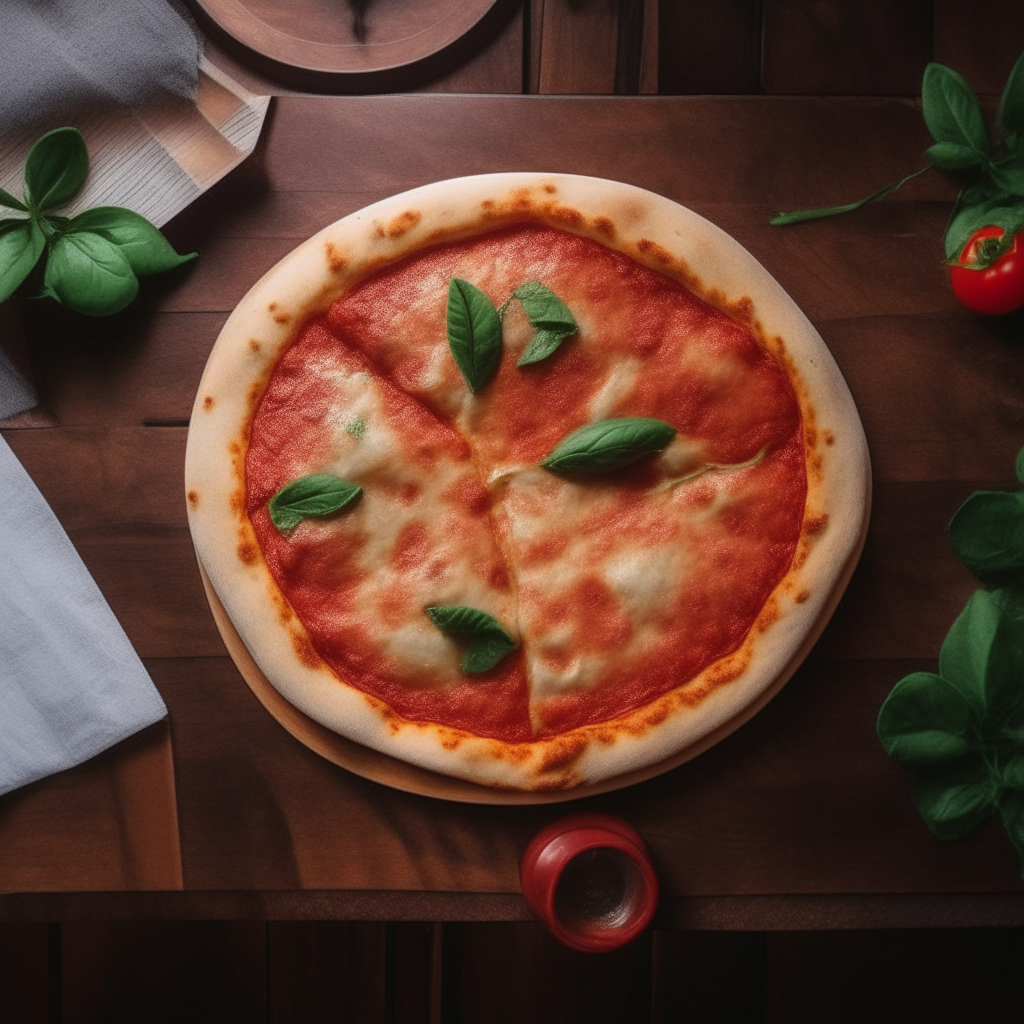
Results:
345 36
389 771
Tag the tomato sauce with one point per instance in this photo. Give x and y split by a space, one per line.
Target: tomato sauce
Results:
646 347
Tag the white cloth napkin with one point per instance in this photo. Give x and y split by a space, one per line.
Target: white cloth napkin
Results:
70 683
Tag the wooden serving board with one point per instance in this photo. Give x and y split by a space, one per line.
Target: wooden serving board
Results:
390 771
357 37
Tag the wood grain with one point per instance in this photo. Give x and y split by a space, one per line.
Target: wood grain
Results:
800 806
709 46
108 824
326 972
164 972
846 47
24 981
981 41
907 976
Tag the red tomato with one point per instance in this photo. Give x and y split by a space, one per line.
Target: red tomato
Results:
998 288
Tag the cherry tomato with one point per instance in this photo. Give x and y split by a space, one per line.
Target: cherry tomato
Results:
997 289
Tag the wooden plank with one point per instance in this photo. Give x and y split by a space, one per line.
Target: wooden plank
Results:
164 972
716 976
909 976
326 971
24 978
108 824
578 45
410 972
709 46
846 47
517 972
981 41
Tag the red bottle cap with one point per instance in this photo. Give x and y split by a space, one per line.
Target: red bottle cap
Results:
589 878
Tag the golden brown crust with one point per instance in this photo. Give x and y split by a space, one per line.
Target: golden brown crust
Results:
658 234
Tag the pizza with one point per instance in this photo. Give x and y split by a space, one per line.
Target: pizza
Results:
533 480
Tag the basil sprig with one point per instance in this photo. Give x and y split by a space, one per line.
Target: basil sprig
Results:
317 495
487 641
962 730
551 318
993 176
474 333
94 260
609 445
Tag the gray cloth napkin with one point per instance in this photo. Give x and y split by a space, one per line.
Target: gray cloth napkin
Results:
70 683
60 56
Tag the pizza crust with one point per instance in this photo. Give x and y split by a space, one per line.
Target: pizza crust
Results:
657 233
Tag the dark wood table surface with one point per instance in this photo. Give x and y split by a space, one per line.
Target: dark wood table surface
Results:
798 820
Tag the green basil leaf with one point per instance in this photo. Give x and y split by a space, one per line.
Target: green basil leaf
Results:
21 245
89 274
549 315
1010 601
1011 810
6 199
474 333
977 206
1018 466
609 445
543 344
925 720
955 798
487 640
543 308
142 244
983 657
1011 107
55 169
319 494
951 109
781 219
987 532
1008 176
951 156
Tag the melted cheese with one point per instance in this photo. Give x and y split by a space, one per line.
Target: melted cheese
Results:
618 588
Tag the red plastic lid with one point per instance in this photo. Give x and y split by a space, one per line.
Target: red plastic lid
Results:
589 878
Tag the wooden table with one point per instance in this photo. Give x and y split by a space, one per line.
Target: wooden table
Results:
796 821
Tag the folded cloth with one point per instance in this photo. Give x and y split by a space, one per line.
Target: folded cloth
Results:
62 56
70 683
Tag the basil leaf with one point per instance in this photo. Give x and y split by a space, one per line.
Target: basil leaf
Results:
609 445
977 206
955 798
474 333
1019 466
983 657
951 109
925 720
141 243
987 532
21 245
55 169
6 199
488 641
795 217
89 274
319 494
1013 773
544 308
543 344
1011 107
550 315
951 156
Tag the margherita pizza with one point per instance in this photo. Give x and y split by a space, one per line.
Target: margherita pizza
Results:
531 480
